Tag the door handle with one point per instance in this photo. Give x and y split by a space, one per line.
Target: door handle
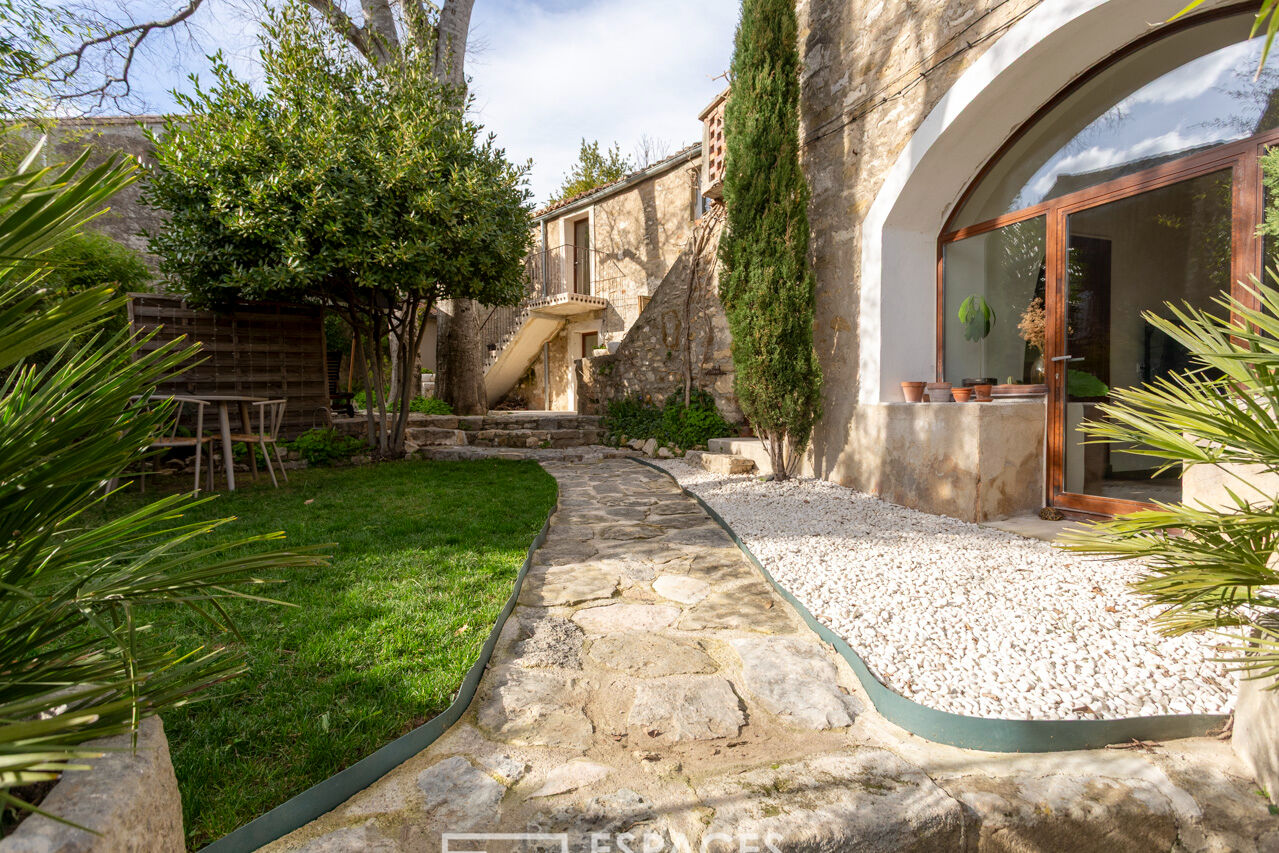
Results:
1067 358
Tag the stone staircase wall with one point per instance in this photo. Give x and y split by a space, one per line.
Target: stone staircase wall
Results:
515 429
650 360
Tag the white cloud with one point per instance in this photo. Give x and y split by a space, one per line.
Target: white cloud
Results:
610 70
1096 158
1198 77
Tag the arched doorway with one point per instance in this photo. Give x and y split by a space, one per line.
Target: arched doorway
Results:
1139 184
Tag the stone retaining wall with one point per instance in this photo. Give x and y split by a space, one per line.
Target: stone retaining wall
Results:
650 360
130 799
515 429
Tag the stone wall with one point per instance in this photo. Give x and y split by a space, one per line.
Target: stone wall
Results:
863 97
638 235
108 135
650 360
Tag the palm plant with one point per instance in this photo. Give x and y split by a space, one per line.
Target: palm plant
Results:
76 662
1210 568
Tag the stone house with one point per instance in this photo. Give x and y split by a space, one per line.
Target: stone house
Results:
600 264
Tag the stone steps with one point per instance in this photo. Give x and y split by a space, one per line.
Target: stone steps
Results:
721 463
505 429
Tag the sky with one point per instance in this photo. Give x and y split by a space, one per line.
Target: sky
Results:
545 73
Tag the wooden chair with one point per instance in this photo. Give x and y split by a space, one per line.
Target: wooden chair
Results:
270 418
171 438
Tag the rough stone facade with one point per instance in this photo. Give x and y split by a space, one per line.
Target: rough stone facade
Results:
863 96
107 135
685 317
639 230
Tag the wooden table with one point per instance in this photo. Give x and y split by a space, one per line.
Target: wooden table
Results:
223 402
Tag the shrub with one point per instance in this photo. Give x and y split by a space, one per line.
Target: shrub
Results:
672 424
630 417
326 446
421 405
430 406
91 259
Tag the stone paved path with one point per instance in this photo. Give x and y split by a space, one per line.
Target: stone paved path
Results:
651 682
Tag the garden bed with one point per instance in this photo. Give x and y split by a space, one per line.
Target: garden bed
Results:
424 556
965 618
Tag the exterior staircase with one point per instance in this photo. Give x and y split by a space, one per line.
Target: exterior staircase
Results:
515 335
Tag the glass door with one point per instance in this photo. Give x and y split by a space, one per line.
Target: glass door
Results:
582 256
1117 260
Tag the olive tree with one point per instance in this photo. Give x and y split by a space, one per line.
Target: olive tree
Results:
363 188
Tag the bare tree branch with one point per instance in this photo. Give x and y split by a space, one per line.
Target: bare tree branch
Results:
342 24
123 42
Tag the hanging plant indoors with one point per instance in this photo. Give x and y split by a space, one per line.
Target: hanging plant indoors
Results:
978 319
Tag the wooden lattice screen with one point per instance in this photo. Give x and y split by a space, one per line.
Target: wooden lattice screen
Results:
262 350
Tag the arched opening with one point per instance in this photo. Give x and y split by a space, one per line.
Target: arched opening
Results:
1139 184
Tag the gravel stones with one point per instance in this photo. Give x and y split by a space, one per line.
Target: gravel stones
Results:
460 796
549 642
612 618
651 655
535 708
966 618
672 711
868 800
795 680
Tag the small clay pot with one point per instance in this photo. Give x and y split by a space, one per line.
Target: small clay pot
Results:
913 392
981 393
938 392
962 395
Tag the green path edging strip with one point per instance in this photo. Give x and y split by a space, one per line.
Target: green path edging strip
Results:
324 797
983 733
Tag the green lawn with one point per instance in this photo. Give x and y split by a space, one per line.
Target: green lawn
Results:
424 556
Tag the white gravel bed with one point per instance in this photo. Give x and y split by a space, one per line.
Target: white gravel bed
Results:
966 618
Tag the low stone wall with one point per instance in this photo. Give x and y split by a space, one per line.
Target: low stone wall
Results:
130 799
509 429
971 461
649 362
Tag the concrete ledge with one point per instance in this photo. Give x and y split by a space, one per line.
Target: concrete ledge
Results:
130 798
1256 734
971 461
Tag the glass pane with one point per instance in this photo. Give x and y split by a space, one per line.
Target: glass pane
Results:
1004 267
1189 92
1166 245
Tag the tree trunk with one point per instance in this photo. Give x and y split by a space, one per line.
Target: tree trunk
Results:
459 375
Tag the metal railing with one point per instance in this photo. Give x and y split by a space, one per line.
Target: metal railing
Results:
550 272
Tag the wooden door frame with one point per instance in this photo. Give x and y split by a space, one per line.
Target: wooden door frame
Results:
1247 204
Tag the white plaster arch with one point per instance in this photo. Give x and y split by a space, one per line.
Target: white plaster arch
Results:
1039 56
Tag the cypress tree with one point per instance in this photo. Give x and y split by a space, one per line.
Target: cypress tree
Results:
767 283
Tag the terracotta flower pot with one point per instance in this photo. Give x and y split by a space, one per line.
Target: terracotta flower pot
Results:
938 392
913 392
962 395
981 393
